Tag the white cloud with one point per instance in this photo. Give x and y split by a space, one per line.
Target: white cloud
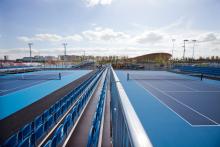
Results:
24 38
75 37
47 37
50 38
92 3
149 37
216 49
107 41
210 37
104 34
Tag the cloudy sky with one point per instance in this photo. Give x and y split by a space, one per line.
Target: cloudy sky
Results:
109 27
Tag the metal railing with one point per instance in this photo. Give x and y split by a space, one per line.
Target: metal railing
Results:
127 129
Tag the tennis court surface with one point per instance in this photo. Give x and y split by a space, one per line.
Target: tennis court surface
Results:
175 110
14 82
24 89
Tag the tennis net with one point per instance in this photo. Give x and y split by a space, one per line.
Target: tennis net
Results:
51 76
185 77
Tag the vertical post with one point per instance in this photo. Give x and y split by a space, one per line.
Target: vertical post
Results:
59 76
127 76
194 42
184 48
173 40
201 76
30 44
64 45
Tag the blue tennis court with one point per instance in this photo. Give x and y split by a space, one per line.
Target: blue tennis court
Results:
182 111
14 82
25 92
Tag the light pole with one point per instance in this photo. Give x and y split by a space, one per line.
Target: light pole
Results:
64 45
30 44
184 48
194 42
84 55
173 40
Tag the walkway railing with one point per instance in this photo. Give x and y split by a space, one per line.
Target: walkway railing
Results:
127 129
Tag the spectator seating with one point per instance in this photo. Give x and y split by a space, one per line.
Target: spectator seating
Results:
97 118
42 123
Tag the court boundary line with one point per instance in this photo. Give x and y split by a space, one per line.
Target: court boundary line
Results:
178 84
161 102
22 86
213 121
20 74
3 90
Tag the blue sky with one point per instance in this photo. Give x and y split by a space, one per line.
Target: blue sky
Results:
109 27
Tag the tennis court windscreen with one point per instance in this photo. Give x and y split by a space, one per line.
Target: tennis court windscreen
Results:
51 76
142 76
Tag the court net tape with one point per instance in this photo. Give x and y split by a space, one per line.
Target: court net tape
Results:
185 77
54 76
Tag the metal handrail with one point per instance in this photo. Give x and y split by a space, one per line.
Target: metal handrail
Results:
138 136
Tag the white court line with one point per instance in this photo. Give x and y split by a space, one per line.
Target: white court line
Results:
178 84
182 104
45 82
3 90
206 126
173 110
21 86
35 84
163 103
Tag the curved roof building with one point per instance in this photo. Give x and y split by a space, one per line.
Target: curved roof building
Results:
153 57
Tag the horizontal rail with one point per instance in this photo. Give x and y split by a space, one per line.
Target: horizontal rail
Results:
138 136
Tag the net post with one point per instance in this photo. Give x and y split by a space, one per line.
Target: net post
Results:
127 76
201 78
59 76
